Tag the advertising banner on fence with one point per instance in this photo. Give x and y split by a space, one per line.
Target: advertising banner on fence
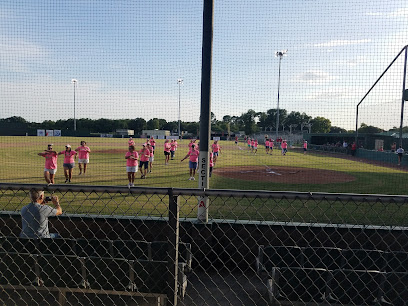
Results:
57 133
40 132
49 133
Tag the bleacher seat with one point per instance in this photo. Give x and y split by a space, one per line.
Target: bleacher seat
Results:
61 271
297 284
360 259
131 249
108 273
93 248
355 287
322 257
396 288
18 269
270 257
18 245
58 246
397 262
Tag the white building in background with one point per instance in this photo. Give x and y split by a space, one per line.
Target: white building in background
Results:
125 132
159 134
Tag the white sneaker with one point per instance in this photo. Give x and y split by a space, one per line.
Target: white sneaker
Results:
129 185
193 178
132 185
190 178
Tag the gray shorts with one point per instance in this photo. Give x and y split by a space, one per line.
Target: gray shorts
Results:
69 166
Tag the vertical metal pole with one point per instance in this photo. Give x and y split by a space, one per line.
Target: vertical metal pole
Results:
172 246
277 111
205 112
403 100
356 125
74 108
179 117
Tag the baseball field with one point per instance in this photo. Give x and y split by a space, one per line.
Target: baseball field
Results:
236 168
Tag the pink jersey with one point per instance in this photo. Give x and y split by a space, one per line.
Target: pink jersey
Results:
50 160
144 155
152 142
130 162
256 143
173 146
284 145
211 159
167 147
131 143
68 156
252 143
271 144
83 152
216 147
190 144
175 142
249 142
305 145
193 155
267 143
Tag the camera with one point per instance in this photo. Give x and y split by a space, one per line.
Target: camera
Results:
47 199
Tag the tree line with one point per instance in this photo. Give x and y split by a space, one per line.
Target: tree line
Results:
250 122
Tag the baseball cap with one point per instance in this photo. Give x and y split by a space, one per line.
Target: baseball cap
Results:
50 144
68 146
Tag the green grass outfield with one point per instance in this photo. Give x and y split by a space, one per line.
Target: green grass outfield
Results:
21 164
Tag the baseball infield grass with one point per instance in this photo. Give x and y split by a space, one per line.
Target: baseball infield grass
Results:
21 164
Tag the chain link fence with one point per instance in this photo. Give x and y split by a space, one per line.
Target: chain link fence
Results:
144 246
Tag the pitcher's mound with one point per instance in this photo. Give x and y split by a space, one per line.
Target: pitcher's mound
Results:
288 175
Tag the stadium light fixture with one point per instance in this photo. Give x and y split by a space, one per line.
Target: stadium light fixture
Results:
279 54
179 82
75 82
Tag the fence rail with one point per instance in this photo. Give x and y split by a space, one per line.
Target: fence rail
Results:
143 246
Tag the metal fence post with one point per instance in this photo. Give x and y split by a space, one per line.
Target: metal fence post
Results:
205 112
173 244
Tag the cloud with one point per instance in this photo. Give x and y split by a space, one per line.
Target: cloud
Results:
314 77
17 54
401 12
342 42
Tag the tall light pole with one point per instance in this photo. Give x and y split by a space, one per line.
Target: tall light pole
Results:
179 82
74 81
279 54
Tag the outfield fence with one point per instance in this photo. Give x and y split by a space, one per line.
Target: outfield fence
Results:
144 246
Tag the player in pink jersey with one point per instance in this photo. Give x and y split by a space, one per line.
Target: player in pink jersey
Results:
284 147
256 146
252 145
172 149
304 147
267 146
131 142
193 154
69 162
216 149
249 144
152 143
211 163
144 155
167 148
151 158
83 156
131 164
271 144
50 167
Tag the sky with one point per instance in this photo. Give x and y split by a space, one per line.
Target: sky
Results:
128 55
